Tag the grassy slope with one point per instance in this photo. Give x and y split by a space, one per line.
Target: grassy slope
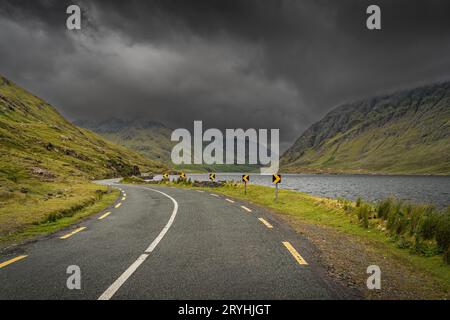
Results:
46 163
302 208
153 141
408 133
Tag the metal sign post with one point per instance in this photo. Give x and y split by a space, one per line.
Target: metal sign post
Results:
245 179
276 178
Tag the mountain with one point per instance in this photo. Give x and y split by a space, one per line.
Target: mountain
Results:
46 163
150 138
33 133
407 132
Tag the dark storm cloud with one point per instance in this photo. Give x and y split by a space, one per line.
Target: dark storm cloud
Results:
263 64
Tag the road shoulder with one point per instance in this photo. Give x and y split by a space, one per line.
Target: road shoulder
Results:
41 231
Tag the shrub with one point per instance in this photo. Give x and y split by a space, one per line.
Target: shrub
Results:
384 207
345 204
417 216
358 202
443 233
446 256
403 243
429 223
363 212
394 217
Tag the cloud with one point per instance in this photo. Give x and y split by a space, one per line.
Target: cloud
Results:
260 64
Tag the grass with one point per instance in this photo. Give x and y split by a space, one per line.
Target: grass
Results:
354 219
48 217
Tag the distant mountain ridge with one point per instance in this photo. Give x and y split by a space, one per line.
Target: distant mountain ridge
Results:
407 132
115 124
151 138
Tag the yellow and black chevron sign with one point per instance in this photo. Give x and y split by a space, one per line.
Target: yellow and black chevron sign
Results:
165 176
182 175
276 178
212 176
245 178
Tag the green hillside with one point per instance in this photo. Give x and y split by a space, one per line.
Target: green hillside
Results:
46 163
152 139
403 133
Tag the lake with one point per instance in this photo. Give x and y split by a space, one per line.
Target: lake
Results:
418 189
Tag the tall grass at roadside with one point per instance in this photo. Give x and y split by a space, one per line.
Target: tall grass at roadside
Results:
424 229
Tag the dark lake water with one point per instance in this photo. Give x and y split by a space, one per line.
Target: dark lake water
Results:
418 189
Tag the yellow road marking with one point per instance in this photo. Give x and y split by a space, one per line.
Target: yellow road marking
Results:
118 205
4 264
267 224
246 209
104 216
123 198
229 200
294 253
72 233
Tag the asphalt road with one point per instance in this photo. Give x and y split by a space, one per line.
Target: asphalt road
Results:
167 243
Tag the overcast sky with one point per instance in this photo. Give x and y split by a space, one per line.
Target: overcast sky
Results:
261 64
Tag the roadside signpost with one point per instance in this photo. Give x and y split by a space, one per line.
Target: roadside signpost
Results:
276 178
212 176
245 179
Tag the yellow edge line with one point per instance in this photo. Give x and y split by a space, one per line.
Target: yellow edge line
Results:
104 216
123 198
72 233
246 209
4 264
294 253
118 205
267 224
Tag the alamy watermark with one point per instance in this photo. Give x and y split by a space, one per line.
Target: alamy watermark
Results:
249 146
373 21
374 280
74 280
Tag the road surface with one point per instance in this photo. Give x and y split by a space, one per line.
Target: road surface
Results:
167 243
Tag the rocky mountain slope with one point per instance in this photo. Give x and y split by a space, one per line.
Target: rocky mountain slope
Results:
407 132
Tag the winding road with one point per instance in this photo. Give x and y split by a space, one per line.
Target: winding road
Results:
168 243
